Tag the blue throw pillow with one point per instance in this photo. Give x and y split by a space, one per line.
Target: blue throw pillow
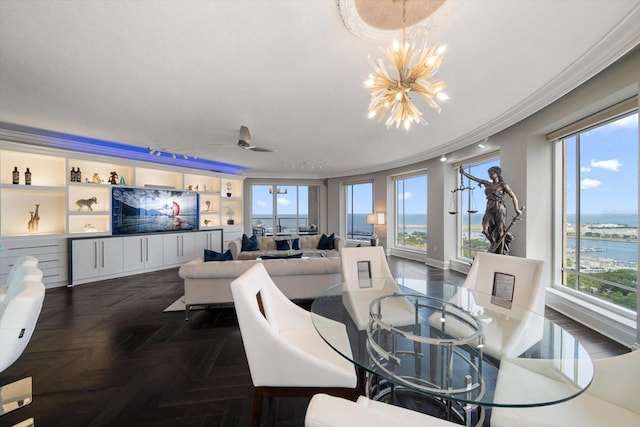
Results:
249 243
326 242
282 245
295 244
210 255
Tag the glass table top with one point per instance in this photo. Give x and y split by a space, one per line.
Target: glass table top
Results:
454 343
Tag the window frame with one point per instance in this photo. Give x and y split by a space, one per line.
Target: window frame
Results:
366 238
397 222
559 138
274 204
488 159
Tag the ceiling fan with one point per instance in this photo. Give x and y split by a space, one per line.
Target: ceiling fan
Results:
244 142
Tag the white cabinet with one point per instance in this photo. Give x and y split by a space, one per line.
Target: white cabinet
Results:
211 240
179 248
51 255
93 259
142 252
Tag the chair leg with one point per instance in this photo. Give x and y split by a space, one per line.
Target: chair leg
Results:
15 395
258 397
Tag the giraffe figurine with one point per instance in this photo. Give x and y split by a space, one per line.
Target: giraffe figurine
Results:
36 219
30 224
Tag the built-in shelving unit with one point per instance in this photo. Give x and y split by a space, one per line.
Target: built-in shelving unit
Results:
68 208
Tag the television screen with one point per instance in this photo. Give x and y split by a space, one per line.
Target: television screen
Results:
147 210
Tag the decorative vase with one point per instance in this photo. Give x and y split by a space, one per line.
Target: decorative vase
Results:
27 177
16 175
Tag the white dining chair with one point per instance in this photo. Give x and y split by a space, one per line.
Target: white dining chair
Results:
528 288
366 276
22 260
19 313
511 323
364 263
612 399
286 354
330 411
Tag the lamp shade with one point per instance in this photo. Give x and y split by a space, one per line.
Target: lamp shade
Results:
375 218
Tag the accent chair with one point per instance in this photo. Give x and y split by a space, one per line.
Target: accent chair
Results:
612 399
330 411
287 356
19 312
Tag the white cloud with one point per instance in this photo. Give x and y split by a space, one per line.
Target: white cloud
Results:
283 201
613 164
629 121
585 169
261 203
405 196
588 184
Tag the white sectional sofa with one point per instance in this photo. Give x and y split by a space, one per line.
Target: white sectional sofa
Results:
208 283
267 247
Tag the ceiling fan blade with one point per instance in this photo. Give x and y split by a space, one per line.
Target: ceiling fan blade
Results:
245 135
261 150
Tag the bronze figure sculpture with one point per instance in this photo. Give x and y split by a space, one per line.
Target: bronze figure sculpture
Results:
494 221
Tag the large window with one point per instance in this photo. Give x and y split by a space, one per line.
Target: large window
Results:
411 212
284 209
359 205
469 203
599 211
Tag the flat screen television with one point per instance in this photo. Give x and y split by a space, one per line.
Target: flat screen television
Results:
151 210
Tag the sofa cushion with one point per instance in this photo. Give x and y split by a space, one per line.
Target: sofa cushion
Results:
282 245
295 244
249 243
326 242
210 255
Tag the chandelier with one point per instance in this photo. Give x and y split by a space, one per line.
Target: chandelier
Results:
416 64
279 190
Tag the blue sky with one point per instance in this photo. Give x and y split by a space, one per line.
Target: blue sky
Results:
608 169
414 195
262 203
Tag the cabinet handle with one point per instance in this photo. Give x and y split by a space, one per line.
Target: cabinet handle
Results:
95 255
141 249
146 240
102 254
181 245
177 245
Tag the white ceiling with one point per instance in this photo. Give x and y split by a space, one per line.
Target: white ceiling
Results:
184 75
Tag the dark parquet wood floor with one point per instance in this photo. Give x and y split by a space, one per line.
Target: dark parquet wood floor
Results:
105 354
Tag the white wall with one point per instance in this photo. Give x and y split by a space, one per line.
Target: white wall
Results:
527 163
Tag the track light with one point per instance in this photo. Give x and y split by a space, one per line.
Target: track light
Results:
443 158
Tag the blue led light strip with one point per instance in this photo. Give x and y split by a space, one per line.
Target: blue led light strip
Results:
63 141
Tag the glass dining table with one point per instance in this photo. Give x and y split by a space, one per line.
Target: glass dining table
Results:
460 348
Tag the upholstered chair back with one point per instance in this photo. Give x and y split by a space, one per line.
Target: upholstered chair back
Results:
528 289
22 260
367 261
19 276
19 314
282 346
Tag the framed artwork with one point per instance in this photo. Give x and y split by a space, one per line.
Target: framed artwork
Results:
503 286
364 273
